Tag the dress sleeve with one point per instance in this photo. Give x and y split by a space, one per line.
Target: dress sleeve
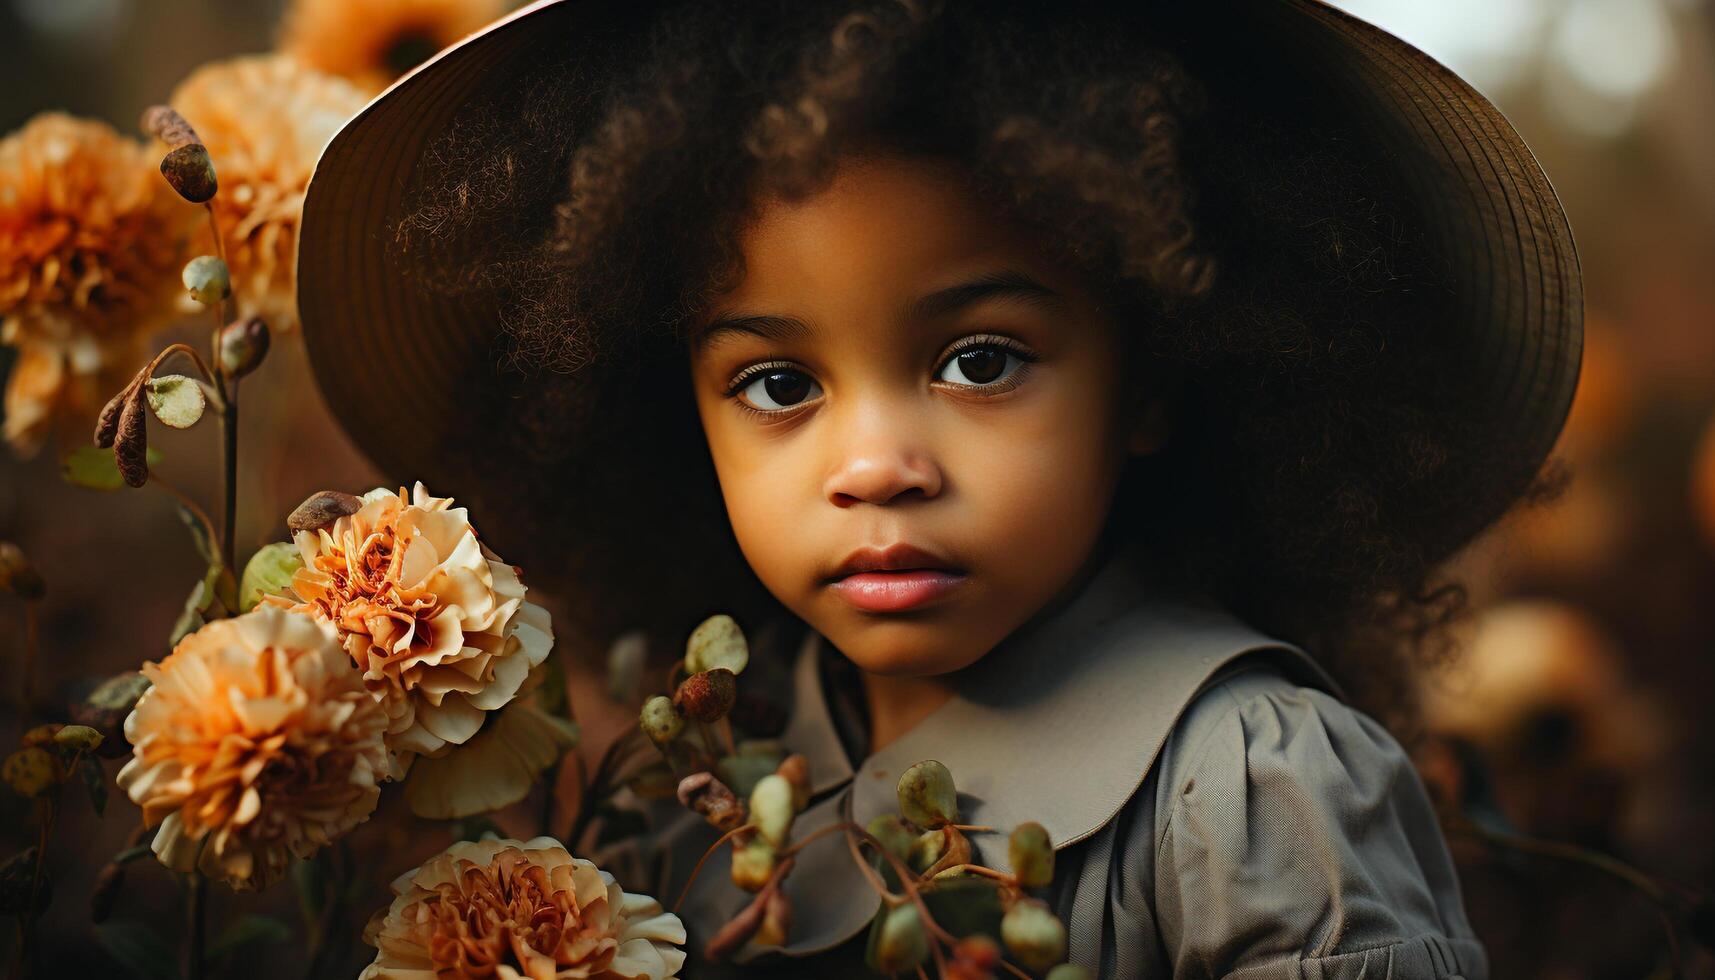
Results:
1299 842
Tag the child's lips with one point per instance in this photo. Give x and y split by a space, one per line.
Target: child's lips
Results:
896 590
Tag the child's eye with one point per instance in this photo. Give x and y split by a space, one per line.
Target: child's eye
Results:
982 362
774 388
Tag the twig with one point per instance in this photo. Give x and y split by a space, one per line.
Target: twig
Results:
599 786
978 869
198 917
229 459
32 642
875 882
188 351
729 835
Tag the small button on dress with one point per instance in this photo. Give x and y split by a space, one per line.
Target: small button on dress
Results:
1217 810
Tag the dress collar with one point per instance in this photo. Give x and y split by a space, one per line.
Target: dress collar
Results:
1059 724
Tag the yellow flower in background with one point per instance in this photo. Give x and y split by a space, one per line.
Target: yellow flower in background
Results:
373 42
264 119
91 241
436 622
256 742
511 909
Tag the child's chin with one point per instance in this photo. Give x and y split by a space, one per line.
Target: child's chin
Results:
901 650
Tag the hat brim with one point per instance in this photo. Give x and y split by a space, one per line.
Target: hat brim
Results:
396 360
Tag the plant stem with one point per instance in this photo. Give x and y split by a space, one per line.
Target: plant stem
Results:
229 470
32 637
189 504
198 920
704 859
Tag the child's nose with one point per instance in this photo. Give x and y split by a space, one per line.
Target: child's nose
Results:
882 457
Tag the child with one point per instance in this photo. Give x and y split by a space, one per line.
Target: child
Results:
1071 375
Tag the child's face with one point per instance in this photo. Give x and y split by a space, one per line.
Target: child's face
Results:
901 366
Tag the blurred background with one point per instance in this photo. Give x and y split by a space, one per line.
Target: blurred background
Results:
1577 711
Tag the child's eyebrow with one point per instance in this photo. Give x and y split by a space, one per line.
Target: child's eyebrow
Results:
1009 284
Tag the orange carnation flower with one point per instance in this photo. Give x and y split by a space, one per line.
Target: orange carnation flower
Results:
436 622
264 119
373 42
511 909
257 741
91 241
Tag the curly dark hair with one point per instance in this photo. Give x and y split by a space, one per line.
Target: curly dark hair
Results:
1274 266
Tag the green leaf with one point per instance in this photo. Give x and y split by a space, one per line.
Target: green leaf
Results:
93 468
94 783
176 400
310 881
191 620
206 546
139 948
249 929
269 572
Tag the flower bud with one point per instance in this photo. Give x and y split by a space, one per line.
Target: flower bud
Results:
1031 855
1070 971
243 345
975 957
926 795
322 508
895 837
795 769
717 642
80 738
1033 934
903 944
753 864
31 771
704 794
660 720
706 696
207 279
771 808
186 166
926 850
17 575
131 440
776 920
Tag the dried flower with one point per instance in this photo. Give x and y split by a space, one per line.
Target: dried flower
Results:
90 240
265 119
372 42
257 741
436 622
513 909
494 769
187 165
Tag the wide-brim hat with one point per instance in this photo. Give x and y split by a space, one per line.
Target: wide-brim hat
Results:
397 359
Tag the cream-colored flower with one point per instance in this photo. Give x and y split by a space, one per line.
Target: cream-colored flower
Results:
512 909
436 622
264 119
257 741
91 241
372 42
494 769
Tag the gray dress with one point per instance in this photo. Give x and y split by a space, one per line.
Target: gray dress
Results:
1216 809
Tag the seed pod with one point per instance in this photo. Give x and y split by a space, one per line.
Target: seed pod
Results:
903 944
926 795
795 769
927 850
243 345
717 642
975 957
42 735
771 808
31 771
321 509
707 696
208 279
702 793
131 441
107 425
186 166
956 852
660 720
79 738
1033 934
752 864
1070 971
776 919
895 837
1031 854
